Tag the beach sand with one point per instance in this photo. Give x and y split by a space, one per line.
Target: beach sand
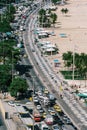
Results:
74 26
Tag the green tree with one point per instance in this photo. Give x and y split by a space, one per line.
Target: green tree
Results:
10 13
18 85
55 1
5 25
42 12
11 9
64 10
80 63
54 18
5 77
46 21
6 49
67 57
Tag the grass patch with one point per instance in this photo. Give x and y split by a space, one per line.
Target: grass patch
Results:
68 75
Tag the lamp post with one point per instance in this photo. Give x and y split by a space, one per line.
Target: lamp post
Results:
73 73
33 99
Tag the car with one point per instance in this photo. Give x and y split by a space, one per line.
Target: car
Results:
11 103
27 74
68 121
25 56
49 120
39 93
44 115
30 98
17 104
55 127
56 106
38 107
35 100
33 50
41 110
51 111
58 109
46 91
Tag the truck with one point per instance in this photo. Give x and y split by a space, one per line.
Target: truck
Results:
43 126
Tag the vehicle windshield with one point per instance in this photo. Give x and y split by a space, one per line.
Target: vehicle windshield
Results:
45 128
55 127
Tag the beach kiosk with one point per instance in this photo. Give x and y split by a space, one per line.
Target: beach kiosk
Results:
56 63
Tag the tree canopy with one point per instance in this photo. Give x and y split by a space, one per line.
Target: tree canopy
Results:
80 62
45 20
6 19
18 85
5 77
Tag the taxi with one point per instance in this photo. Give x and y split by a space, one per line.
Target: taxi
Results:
46 91
44 115
58 109
56 106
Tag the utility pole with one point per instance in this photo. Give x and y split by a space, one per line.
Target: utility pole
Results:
73 73
85 79
33 99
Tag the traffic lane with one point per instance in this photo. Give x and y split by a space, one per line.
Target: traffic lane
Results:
66 110
32 73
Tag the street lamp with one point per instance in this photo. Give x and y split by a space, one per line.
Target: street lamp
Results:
73 73
73 65
33 98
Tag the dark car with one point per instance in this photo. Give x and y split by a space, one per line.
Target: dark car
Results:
27 74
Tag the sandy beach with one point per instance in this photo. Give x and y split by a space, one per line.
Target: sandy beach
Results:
74 26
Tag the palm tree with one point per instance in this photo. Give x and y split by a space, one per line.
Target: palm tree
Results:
67 57
64 11
54 18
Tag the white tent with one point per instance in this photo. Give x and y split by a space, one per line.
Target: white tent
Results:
49 49
48 46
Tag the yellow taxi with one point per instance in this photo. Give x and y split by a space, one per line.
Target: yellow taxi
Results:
58 109
45 91
56 106
44 115
30 99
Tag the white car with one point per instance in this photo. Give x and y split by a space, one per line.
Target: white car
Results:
38 107
11 103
